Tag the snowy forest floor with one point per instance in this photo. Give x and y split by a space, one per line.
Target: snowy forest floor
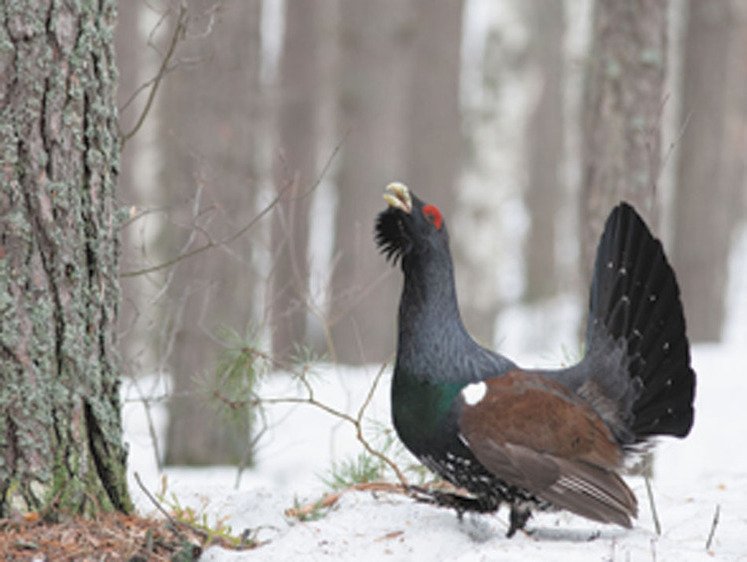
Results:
696 480
699 483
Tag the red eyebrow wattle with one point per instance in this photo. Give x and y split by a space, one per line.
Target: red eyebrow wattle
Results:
432 213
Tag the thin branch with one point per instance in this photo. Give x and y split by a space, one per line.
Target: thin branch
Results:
326 166
151 423
159 507
147 84
673 145
714 524
654 514
310 400
136 214
152 44
359 431
328 500
174 523
426 494
181 25
209 244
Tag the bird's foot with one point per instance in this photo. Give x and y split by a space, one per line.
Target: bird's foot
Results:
520 514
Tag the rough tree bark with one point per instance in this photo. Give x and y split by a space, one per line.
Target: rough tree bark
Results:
711 170
621 122
60 427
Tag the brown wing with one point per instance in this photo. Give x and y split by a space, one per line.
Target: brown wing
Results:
536 434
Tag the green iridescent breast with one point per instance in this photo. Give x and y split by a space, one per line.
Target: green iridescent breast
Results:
420 409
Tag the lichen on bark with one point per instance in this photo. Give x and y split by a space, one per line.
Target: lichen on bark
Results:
60 420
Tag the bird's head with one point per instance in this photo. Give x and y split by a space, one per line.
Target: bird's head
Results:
409 225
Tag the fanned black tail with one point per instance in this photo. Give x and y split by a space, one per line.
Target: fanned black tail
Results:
635 315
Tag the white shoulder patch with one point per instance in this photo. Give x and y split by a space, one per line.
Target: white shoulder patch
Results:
473 393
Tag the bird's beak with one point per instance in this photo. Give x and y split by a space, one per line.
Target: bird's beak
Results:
398 196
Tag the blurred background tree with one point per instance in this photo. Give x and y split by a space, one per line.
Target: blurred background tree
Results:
712 167
623 102
524 121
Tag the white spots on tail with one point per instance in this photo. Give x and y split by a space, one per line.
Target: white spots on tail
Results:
473 393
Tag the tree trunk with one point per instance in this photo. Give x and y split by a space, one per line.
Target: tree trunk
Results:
435 133
208 115
711 172
621 123
376 47
60 431
544 194
400 107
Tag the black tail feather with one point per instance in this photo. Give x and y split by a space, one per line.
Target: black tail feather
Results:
635 301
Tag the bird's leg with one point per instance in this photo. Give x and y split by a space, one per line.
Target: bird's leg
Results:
520 514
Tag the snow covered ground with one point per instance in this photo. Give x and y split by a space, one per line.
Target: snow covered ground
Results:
693 478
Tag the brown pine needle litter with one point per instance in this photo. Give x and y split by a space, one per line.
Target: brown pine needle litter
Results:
116 536
111 536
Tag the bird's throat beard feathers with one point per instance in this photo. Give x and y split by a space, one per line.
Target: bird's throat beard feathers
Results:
391 237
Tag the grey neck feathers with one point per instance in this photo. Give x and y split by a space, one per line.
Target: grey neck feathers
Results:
433 344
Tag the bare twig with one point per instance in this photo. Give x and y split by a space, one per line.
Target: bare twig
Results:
204 534
212 243
328 500
673 145
181 25
326 166
310 399
209 244
151 43
654 514
359 431
159 507
426 494
714 524
151 423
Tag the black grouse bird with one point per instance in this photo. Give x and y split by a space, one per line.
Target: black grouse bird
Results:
537 439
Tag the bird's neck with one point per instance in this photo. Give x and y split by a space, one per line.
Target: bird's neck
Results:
433 346
431 332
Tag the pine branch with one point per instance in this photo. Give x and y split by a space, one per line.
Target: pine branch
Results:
311 400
